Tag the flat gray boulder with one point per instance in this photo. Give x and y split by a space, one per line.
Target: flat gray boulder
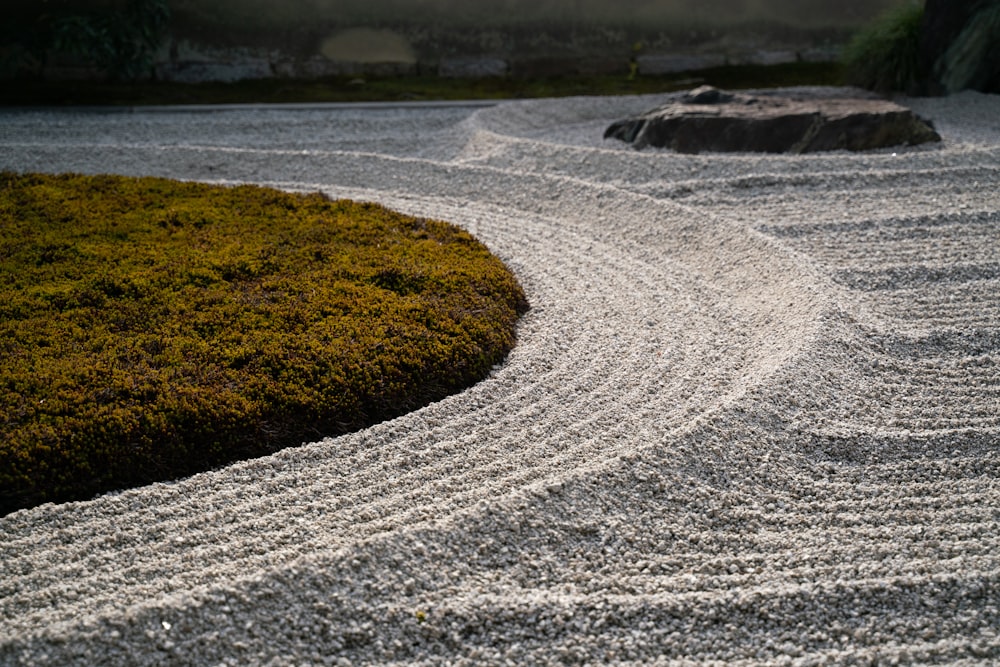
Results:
711 120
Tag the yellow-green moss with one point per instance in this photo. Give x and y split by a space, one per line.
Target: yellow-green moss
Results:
151 329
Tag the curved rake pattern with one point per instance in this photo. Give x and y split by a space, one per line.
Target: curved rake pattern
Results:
752 417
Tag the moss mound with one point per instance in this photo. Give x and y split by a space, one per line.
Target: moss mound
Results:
151 329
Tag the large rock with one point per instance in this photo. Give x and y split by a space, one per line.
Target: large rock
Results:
708 119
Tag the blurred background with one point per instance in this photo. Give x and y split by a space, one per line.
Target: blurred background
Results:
914 46
231 39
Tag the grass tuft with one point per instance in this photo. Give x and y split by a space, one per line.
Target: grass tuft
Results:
885 57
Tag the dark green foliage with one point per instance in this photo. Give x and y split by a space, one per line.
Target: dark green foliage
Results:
119 37
885 56
972 59
120 41
151 329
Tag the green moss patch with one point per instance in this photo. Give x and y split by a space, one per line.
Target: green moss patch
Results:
151 329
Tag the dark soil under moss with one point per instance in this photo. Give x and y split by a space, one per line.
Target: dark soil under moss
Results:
150 329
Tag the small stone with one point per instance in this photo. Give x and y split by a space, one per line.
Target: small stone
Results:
707 95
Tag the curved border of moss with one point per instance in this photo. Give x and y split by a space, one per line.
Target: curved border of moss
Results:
150 328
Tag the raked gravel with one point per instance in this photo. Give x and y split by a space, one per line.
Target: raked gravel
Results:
753 417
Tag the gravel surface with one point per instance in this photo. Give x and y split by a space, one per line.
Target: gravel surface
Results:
752 418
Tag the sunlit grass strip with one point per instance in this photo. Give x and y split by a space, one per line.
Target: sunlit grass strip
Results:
414 88
151 329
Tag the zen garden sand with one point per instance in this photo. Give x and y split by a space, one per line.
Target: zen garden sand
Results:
752 418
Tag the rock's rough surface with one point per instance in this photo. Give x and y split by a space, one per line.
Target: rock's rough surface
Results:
707 119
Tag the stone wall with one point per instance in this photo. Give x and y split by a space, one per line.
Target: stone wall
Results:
228 40
527 51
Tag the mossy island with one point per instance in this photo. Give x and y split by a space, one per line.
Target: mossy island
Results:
151 328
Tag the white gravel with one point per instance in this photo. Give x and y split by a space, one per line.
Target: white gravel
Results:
752 418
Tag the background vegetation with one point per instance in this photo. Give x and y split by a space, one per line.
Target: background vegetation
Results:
150 329
885 56
118 37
